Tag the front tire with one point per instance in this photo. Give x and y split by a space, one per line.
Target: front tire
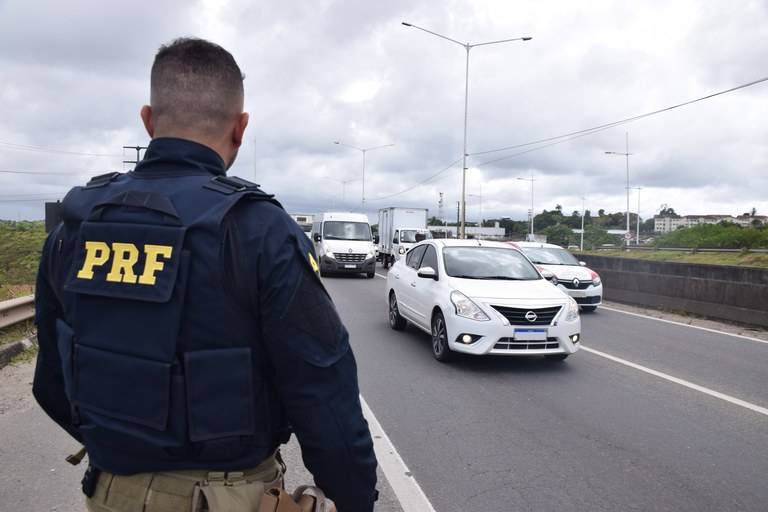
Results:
370 275
396 321
556 357
440 349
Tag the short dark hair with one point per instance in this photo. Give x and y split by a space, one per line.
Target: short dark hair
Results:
195 85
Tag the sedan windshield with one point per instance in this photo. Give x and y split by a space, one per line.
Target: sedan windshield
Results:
339 230
550 256
488 263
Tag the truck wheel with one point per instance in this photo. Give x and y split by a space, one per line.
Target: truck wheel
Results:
370 275
385 260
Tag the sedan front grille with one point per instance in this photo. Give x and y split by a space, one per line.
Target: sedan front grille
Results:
349 257
568 283
588 300
517 316
513 344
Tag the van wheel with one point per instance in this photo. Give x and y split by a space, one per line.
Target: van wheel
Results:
396 321
385 261
370 275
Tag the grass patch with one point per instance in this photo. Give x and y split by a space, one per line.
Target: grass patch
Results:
17 332
25 357
746 259
13 291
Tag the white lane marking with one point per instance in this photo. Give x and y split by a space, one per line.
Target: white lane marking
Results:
687 384
381 276
686 325
400 478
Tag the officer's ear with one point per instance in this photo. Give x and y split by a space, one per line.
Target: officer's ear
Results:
239 129
146 118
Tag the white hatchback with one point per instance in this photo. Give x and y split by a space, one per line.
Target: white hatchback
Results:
572 275
480 297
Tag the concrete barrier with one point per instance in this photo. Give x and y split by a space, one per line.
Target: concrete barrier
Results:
737 294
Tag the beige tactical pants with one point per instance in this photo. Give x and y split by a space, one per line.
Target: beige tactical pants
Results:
186 491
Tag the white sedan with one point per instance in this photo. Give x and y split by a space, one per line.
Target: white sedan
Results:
480 297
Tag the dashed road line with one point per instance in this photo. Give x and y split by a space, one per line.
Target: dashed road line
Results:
402 481
681 382
750 338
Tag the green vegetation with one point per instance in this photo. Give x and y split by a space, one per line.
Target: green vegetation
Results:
17 331
744 259
716 236
20 245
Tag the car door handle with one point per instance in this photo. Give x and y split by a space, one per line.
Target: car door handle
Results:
397 276
413 284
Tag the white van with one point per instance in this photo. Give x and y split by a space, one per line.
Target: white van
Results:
343 243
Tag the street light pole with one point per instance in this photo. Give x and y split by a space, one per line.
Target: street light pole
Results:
637 240
363 151
581 245
467 47
625 154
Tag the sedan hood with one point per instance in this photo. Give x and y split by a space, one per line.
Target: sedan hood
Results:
568 272
508 290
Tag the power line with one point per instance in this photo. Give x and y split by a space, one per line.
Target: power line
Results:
45 173
601 127
430 178
42 149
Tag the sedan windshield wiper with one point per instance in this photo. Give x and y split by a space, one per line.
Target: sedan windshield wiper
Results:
503 278
462 276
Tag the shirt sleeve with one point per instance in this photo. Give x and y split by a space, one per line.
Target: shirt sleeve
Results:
315 369
48 384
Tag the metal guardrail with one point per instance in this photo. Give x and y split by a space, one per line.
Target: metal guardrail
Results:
17 310
678 249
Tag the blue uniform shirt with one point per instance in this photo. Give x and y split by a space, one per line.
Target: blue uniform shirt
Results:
299 341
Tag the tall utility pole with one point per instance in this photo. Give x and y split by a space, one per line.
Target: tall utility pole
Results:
440 208
363 151
581 245
637 240
530 231
138 154
466 47
627 155
458 217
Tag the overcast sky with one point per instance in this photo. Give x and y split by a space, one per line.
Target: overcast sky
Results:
73 76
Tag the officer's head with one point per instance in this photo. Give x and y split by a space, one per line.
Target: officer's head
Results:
197 94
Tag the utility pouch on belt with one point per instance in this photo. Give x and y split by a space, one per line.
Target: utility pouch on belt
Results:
90 478
305 499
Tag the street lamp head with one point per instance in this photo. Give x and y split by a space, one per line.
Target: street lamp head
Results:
407 24
336 142
527 38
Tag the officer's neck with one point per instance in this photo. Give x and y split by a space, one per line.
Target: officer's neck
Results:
221 145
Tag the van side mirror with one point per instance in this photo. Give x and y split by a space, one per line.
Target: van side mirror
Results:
427 273
394 240
317 237
376 239
548 275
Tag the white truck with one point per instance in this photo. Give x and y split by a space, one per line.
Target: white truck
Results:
399 230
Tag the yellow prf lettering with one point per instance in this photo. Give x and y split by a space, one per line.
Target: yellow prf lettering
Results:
124 258
96 254
152 265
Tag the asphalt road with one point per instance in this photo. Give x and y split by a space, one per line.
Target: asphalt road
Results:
508 434
587 434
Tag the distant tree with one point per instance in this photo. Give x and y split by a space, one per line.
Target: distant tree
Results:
601 213
668 211
434 221
754 212
647 226
559 234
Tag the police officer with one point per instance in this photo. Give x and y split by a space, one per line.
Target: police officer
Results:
183 329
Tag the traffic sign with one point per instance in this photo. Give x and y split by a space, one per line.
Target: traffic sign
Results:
627 236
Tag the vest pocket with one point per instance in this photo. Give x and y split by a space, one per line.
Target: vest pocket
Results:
122 387
220 391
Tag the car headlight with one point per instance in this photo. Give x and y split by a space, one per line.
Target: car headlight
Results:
330 255
572 311
371 254
466 308
401 250
595 278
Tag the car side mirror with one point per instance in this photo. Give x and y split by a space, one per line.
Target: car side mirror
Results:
394 240
317 237
427 273
375 239
583 263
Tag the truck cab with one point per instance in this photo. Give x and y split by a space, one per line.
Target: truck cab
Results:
344 244
405 238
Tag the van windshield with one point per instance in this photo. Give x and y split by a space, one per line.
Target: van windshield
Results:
340 230
412 236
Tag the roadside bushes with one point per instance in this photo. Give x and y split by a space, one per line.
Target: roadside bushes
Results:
716 236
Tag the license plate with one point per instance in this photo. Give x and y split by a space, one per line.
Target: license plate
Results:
350 266
531 334
578 293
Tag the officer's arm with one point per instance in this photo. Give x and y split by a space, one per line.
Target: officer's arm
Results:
316 374
48 385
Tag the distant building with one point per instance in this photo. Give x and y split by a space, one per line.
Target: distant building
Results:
302 218
666 224
494 233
